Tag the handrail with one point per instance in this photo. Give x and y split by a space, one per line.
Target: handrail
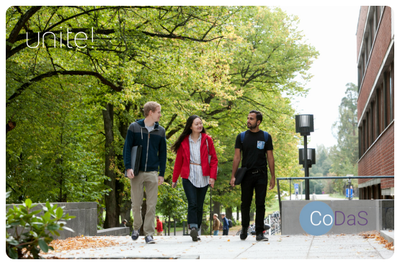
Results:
328 177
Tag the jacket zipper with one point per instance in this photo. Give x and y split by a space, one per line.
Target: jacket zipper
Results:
147 153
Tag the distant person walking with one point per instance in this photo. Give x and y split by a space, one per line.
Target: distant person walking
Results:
225 225
256 151
216 224
196 162
159 226
148 133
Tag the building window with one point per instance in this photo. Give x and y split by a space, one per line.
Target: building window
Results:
392 91
371 29
379 113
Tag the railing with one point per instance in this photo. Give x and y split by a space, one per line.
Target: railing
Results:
332 177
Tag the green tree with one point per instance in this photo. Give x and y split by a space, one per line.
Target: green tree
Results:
135 53
69 103
323 162
344 154
268 54
172 202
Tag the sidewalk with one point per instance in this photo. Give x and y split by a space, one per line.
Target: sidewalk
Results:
349 246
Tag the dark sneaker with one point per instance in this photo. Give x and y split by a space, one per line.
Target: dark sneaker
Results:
261 237
198 238
149 240
194 234
135 235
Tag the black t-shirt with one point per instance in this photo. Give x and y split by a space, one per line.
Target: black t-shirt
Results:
254 149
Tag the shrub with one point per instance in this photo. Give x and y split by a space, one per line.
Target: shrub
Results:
32 233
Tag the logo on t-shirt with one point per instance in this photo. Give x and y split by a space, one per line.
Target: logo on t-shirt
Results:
260 144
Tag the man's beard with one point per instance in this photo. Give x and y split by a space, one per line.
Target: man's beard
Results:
251 127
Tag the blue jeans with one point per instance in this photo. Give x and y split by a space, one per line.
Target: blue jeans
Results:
195 197
216 232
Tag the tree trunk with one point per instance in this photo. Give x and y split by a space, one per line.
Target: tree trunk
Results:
229 213
216 209
124 198
112 208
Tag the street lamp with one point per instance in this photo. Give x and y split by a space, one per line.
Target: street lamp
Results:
305 126
310 161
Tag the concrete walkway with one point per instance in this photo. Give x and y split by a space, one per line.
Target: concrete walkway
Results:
231 247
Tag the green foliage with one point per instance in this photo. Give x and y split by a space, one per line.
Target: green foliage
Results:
172 202
323 162
345 153
32 233
216 62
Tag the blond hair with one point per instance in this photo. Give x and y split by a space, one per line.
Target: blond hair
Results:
151 105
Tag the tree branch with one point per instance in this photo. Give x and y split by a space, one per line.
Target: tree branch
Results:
21 22
53 73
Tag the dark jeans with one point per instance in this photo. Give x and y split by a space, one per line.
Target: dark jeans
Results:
225 232
257 182
195 197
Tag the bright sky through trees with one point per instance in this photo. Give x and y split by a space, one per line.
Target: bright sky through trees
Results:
332 31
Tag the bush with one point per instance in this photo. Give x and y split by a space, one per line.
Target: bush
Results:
235 222
32 233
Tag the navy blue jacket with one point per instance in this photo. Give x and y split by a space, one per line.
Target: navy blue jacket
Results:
225 223
154 152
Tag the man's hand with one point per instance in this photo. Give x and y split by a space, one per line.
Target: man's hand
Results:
173 184
272 183
129 173
160 180
232 182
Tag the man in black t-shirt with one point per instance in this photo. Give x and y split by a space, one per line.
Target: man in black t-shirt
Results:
256 151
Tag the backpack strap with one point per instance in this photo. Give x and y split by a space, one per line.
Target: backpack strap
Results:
242 134
266 136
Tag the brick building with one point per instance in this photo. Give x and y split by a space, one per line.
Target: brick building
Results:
375 106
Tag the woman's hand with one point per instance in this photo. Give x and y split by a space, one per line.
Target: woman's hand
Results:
211 182
173 184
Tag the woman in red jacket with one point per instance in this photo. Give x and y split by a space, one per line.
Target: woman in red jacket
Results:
196 162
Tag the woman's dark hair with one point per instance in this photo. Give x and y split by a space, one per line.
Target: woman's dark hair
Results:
185 132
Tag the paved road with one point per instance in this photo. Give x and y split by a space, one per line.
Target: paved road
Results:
231 247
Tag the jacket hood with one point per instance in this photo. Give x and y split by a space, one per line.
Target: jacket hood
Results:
141 123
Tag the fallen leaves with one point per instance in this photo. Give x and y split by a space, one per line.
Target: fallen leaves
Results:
79 242
377 236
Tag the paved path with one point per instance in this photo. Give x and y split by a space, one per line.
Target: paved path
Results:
231 247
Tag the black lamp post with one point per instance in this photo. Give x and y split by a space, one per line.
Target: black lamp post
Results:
304 126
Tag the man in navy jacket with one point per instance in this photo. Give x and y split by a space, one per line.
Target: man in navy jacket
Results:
225 225
151 136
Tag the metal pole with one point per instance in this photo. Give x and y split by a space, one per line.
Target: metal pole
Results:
211 216
301 190
279 198
306 173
